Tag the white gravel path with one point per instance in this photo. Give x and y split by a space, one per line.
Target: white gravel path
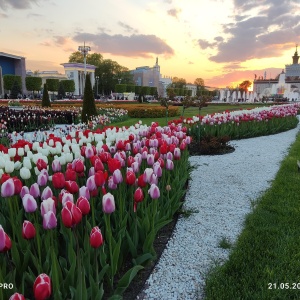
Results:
221 192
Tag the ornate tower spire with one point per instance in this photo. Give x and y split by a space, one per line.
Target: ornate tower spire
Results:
296 56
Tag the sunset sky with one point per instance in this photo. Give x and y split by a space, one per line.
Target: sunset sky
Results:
222 41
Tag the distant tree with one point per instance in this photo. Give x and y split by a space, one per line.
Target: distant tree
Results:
61 91
171 92
178 82
45 100
15 90
199 82
8 81
69 85
52 85
120 88
130 88
33 83
88 106
244 86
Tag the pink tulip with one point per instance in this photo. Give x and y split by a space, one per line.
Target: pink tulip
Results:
108 203
24 191
90 183
157 170
67 197
153 179
47 193
49 220
169 164
84 192
8 188
29 203
91 171
42 179
48 205
154 191
111 184
135 167
89 152
176 153
147 174
169 156
34 190
117 176
150 159
56 166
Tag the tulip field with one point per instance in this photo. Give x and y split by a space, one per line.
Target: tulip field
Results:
79 205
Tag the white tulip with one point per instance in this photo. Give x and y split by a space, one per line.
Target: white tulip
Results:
66 149
12 152
2 162
9 166
17 165
69 157
26 148
45 152
21 151
36 171
1 173
51 143
25 173
35 145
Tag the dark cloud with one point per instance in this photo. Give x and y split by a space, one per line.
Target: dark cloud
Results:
18 4
275 28
131 46
60 40
127 27
174 12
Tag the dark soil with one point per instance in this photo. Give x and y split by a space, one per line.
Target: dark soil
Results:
196 149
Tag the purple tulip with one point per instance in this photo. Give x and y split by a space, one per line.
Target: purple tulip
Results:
84 192
47 193
29 203
24 191
48 205
135 167
176 153
144 155
153 179
67 197
8 188
108 203
91 171
89 152
49 220
169 164
169 156
42 179
157 170
56 166
117 176
34 190
154 191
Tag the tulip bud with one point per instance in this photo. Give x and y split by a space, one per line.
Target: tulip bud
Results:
117 176
72 187
41 164
56 166
9 166
25 173
34 190
18 185
108 203
70 174
96 238
24 191
42 287
28 230
47 193
169 164
48 205
70 214
29 203
130 177
138 195
84 192
58 180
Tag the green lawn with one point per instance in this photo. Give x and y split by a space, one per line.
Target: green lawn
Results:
189 112
265 262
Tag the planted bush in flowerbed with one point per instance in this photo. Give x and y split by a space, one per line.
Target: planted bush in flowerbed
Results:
74 209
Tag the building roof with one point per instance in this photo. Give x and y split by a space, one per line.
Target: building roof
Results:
11 55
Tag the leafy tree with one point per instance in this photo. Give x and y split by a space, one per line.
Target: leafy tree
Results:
130 88
69 85
45 100
52 85
88 106
120 88
8 81
33 83
61 91
244 86
178 82
199 82
171 93
15 90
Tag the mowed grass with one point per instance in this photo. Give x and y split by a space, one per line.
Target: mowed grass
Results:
189 112
265 261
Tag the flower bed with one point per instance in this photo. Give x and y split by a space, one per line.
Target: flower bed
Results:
75 208
243 123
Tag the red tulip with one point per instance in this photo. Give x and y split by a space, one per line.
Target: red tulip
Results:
5 242
99 178
138 195
4 177
70 174
72 186
96 238
18 185
78 165
58 180
113 164
130 178
41 164
70 214
141 182
84 205
42 287
28 230
130 160
17 296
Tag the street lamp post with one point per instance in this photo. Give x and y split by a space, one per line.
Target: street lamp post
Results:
84 51
97 79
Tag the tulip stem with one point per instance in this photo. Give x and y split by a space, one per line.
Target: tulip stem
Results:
109 236
96 261
38 241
